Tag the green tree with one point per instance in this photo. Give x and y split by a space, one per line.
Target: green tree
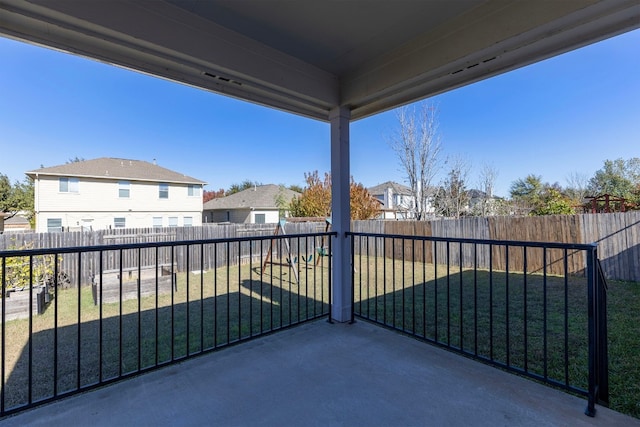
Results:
18 197
534 197
297 188
553 202
244 185
620 178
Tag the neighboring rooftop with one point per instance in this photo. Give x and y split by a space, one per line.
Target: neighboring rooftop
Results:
397 188
114 168
258 197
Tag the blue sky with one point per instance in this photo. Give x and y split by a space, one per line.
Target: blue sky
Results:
560 116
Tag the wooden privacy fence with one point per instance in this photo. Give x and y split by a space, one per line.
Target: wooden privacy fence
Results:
179 258
617 236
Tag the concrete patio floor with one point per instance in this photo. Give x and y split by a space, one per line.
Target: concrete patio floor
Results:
324 374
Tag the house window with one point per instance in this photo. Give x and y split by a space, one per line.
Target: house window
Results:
54 225
123 189
260 218
193 190
163 191
188 221
119 222
157 222
68 185
173 221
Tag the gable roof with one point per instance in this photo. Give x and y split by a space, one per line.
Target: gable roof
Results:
259 197
397 188
114 168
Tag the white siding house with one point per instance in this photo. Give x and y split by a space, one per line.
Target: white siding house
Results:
114 193
397 201
256 205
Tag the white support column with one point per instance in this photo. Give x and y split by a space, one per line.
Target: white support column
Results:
341 214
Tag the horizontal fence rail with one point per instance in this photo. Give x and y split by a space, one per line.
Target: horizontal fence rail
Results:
145 305
487 300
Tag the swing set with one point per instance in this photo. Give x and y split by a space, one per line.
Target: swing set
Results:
321 251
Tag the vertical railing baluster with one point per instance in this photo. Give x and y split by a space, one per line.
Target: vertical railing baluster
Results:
3 342
591 308
173 292
375 275
475 299
384 280
353 283
361 273
424 288
157 333
506 308
393 281
55 326
368 283
435 291
491 302
566 317
215 295
250 288
330 278
139 309
187 249
448 294
228 292
525 310
239 291
402 260
30 347
202 268
413 286
120 316
544 314
461 296
79 343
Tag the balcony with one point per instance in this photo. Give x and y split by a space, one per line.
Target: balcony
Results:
145 308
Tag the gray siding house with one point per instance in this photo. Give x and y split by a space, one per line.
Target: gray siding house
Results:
257 205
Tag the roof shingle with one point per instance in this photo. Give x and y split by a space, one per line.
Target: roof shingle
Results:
259 197
114 168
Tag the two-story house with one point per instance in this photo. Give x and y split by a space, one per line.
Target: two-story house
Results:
114 193
397 200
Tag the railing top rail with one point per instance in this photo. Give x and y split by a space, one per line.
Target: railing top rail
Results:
96 248
551 245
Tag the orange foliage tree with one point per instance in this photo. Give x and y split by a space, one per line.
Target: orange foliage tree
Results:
315 200
210 195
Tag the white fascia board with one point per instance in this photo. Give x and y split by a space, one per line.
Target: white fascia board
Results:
196 52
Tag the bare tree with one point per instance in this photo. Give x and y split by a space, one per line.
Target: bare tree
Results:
486 183
577 187
452 198
417 144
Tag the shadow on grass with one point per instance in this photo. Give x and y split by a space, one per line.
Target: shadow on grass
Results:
526 323
80 356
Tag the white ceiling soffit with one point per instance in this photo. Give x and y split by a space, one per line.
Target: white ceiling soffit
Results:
307 56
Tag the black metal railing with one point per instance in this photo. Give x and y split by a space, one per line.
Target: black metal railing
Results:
76 318
537 309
